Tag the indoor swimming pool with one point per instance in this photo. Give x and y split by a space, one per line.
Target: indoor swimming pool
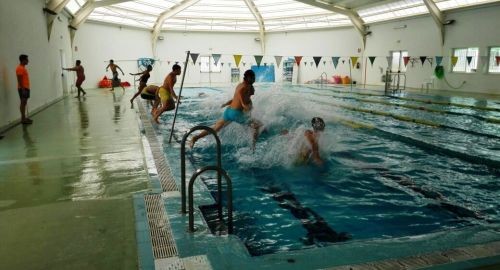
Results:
396 167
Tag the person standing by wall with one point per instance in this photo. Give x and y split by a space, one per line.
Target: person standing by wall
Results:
23 88
80 76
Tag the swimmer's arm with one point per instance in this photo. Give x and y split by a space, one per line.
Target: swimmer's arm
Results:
71 69
107 67
226 104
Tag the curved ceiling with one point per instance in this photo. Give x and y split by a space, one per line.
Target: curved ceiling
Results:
251 15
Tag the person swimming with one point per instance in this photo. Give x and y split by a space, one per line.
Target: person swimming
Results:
309 148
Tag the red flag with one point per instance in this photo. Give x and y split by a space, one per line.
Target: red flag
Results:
298 59
498 60
406 60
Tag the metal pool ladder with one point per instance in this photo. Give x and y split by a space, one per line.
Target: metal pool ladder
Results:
220 172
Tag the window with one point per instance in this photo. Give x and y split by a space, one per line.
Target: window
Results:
464 54
494 66
398 63
205 67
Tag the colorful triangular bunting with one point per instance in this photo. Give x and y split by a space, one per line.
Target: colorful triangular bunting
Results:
194 56
389 61
469 59
497 59
237 59
422 59
439 59
298 59
335 61
354 60
406 59
372 59
454 60
278 60
258 59
216 57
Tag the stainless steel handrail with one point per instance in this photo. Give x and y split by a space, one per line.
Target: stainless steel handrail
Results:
183 168
393 81
229 184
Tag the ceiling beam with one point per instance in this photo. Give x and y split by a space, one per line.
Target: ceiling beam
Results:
56 6
53 8
104 3
82 14
262 30
356 20
166 15
438 16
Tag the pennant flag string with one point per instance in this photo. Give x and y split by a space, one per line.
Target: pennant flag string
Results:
194 56
469 60
335 61
422 59
237 59
406 59
439 59
372 59
317 59
258 59
216 57
278 60
354 60
298 59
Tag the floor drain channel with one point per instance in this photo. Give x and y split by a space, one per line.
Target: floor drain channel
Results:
159 228
164 174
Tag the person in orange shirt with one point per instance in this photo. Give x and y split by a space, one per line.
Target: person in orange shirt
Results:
23 87
80 76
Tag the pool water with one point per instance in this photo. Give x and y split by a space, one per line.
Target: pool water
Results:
390 171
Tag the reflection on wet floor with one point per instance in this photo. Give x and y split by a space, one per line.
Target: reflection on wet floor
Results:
69 178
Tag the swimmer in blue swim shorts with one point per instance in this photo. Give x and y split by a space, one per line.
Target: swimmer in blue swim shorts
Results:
238 109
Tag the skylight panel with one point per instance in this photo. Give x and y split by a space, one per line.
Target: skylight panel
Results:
141 8
74 5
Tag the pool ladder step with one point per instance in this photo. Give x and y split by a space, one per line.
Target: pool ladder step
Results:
220 172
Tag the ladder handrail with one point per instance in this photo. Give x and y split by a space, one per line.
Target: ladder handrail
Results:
183 167
179 96
229 184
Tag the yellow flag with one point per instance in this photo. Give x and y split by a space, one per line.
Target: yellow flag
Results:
454 60
237 59
354 60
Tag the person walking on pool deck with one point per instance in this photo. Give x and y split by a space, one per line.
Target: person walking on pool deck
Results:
115 79
23 87
166 94
238 110
80 76
143 80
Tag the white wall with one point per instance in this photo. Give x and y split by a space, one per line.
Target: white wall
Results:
419 38
23 31
96 44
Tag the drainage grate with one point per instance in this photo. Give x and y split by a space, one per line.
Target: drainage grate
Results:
159 228
164 174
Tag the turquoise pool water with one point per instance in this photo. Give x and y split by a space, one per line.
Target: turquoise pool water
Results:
395 166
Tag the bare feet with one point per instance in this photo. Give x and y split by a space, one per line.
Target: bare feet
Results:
192 142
